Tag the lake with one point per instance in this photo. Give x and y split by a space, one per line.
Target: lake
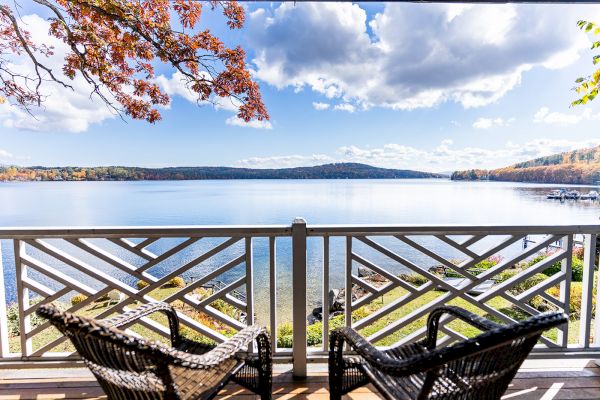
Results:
401 202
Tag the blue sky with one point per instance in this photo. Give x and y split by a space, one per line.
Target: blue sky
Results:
432 87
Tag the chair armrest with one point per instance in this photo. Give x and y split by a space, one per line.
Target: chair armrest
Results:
221 352
144 310
373 356
433 322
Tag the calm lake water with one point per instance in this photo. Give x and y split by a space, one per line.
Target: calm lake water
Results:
399 202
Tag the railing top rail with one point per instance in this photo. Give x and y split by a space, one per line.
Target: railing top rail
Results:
284 230
144 231
350 230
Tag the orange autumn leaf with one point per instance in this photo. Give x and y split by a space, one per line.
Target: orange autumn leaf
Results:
115 46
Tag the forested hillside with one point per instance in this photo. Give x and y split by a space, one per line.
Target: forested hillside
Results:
574 167
328 171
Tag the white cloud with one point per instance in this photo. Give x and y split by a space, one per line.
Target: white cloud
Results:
64 109
5 154
176 86
487 123
414 55
443 157
236 121
544 115
285 161
321 106
344 107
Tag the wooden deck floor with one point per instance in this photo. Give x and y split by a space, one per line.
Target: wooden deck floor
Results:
537 379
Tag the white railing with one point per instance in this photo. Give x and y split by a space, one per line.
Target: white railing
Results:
112 269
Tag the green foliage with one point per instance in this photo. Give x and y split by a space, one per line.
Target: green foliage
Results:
577 270
553 269
587 87
487 263
506 275
78 298
528 283
574 299
576 267
12 316
314 332
415 279
226 308
284 336
176 282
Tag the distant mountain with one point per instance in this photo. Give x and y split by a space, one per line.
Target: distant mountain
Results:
327 171
571 167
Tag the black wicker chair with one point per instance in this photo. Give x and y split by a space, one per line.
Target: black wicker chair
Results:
477 368
128 367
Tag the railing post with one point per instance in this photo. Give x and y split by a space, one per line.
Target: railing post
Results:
299 296
587 295
565 286
3 308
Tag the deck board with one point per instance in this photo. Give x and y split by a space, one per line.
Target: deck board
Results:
537 380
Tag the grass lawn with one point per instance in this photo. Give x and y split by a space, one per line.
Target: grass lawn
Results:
314 331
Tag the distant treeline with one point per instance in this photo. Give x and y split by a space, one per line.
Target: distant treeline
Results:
328 171
572 167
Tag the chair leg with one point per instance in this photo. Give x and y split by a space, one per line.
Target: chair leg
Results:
265 366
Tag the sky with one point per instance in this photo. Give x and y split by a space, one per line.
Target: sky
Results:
433 87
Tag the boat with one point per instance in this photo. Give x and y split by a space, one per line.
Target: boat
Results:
557 194
573 195
591 195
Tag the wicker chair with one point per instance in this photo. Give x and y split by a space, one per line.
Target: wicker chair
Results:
477 368
128 367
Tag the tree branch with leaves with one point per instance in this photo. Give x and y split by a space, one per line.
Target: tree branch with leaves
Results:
588 87
114 45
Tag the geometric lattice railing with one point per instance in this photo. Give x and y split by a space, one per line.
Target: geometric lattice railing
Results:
100 272
381 280
394 276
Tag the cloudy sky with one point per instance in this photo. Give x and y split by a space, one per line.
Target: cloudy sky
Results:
433 87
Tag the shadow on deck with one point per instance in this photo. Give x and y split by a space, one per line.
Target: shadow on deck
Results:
537 379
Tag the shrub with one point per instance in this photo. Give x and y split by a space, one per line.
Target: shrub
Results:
414 279
78 298
12 316
226 308
577 270
528 283
314 334
488 263
574 300
506 274
284 336
553 269
578 253
576 263
142 284
176 282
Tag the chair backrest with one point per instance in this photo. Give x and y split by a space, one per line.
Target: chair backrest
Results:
126 366
483 367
